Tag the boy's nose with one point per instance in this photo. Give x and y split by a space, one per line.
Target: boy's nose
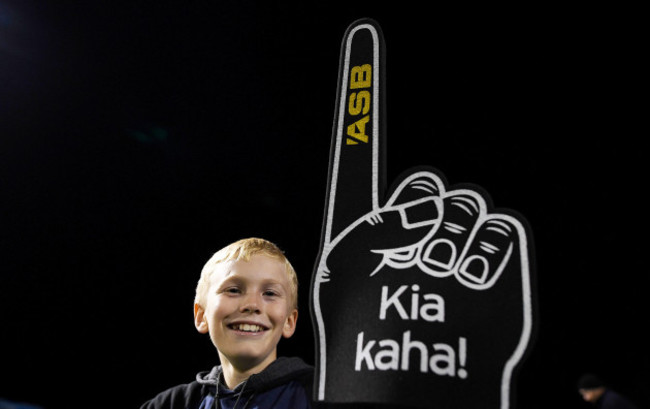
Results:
250 304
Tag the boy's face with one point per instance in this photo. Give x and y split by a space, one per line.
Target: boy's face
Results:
247 309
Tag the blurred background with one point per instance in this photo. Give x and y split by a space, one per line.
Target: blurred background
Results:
137 138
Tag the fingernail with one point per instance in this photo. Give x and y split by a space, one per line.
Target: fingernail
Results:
440 254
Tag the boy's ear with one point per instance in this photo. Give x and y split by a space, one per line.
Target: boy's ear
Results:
290 324
200 322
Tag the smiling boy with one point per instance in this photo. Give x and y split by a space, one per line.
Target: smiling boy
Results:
246 300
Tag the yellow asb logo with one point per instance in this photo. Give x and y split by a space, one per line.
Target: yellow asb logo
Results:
359 103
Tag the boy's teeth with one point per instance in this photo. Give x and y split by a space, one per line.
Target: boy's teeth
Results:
248 327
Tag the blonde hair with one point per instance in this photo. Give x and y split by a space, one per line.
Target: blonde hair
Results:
243 250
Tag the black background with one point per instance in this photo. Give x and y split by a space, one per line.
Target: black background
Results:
137 138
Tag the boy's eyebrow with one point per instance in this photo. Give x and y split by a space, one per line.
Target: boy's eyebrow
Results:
233 276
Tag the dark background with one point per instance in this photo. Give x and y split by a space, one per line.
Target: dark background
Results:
137 138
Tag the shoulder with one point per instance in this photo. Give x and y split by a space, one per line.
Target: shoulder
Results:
612 399
177 397
187 395
282 371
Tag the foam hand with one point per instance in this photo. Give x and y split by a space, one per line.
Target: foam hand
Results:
422 294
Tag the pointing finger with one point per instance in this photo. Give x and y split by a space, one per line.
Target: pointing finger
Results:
356 175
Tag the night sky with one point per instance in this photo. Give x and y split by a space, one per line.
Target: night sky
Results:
137 138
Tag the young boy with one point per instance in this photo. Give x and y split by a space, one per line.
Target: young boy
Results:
246 300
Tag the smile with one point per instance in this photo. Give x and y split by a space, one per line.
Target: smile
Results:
247 327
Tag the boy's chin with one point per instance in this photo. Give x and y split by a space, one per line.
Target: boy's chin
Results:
248 360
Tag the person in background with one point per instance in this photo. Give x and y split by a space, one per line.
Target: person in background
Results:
596 392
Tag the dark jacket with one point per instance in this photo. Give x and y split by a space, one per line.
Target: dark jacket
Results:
285 383
613 400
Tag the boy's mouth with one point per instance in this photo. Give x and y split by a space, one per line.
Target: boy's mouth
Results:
247 327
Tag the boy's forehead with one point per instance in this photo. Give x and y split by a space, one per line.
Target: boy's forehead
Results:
259 266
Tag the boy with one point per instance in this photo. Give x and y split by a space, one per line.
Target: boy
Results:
246 300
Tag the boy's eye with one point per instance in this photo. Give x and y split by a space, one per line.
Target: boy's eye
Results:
232 290
270 293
